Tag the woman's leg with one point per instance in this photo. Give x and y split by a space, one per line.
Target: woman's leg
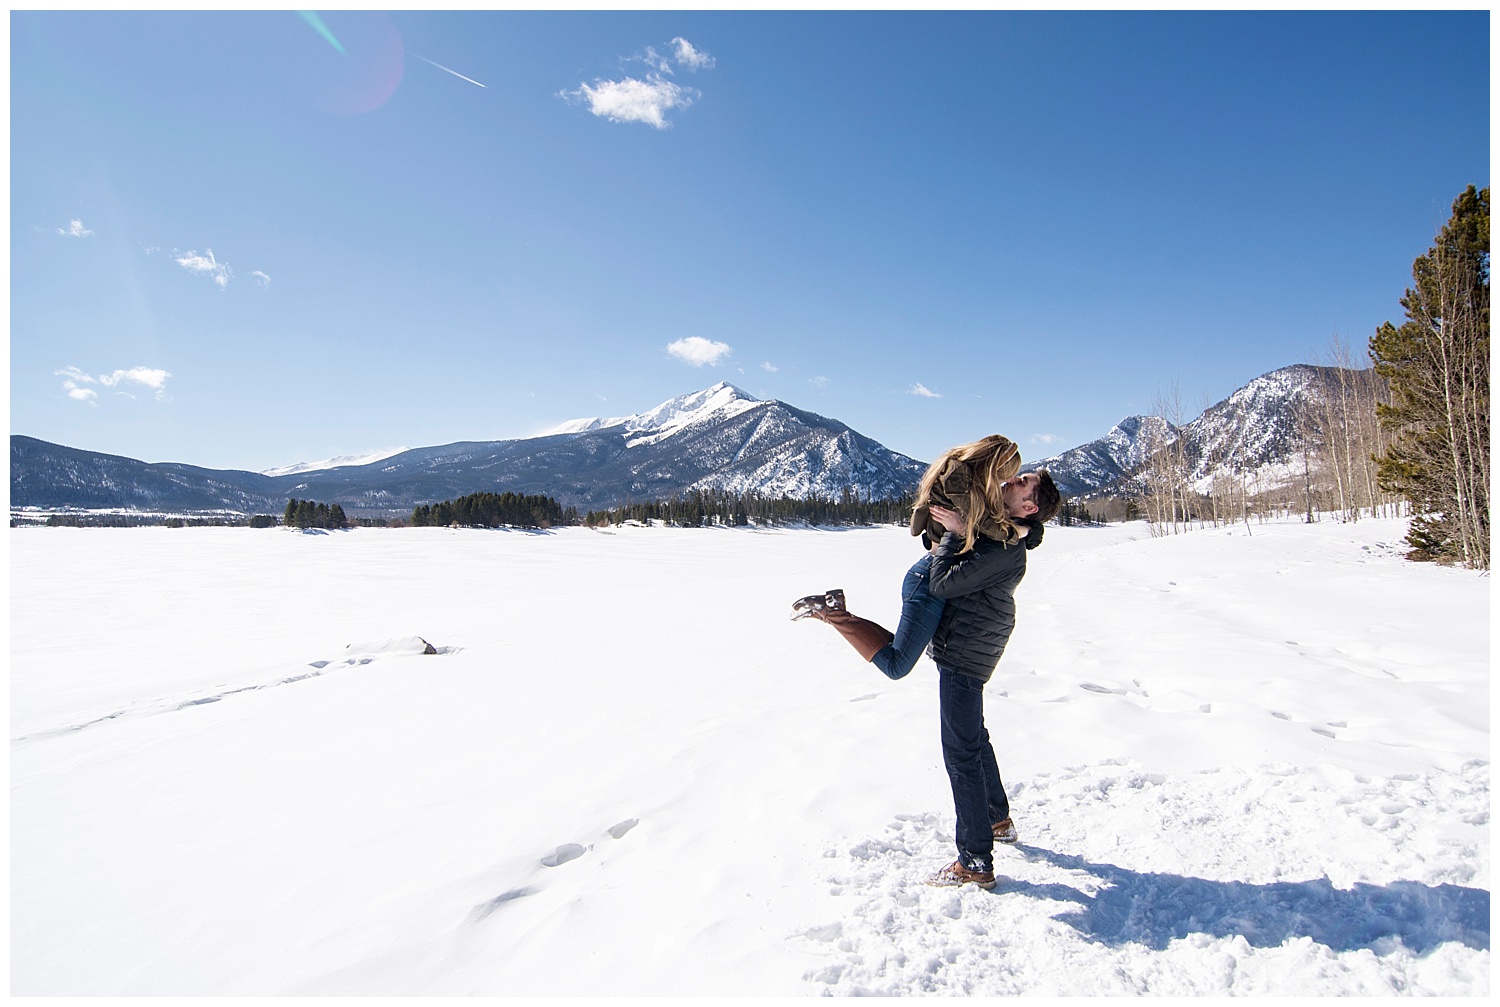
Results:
920 613
894 654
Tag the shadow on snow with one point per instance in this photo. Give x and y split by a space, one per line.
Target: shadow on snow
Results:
1154 909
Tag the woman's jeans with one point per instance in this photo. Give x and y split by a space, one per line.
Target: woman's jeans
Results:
920 613
978 795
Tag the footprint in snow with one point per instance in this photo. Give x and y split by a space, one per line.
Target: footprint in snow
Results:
563 854
568 852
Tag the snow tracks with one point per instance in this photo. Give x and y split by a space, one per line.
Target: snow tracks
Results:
1268 881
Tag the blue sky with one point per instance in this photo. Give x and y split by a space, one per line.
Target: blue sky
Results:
235 245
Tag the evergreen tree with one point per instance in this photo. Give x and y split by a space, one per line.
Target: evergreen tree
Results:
1438 366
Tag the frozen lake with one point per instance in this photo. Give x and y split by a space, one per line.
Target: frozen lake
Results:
1239 764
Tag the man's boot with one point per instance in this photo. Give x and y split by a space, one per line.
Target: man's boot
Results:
863 635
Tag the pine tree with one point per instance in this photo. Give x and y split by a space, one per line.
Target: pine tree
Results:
1438 366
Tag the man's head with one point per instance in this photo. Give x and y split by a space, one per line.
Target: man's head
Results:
1032 496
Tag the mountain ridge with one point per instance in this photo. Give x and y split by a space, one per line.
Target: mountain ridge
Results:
718 438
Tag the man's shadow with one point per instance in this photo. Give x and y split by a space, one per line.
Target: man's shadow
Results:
1154 909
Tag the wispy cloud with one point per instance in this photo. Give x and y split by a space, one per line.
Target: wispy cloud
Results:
75 229
648 100
690 58
698 351
923 391
75 379
818 382
261 279
1045 438
768 366
205 263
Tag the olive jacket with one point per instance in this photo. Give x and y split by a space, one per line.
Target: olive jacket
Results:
951 489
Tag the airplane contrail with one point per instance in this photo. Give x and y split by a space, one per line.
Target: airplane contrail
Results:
440 66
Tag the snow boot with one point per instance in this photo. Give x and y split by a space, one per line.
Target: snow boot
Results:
1004 831
956 874
816 604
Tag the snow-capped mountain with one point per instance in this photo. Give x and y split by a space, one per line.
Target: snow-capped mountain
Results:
723 399
1104 462
1249 436
717 438
331 463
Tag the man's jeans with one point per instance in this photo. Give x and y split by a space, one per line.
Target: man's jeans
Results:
978 795
920 613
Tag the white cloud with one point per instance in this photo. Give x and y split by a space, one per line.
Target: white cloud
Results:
698 351
648 100
151 377
75 230
1045 438
206 263
689 57
74 380
261 279
818 382
924 391
632 100
768 366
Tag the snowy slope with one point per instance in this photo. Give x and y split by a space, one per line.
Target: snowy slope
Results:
1239 763
332 463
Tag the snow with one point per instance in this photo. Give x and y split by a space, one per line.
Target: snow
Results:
1240 763
332 463
720 402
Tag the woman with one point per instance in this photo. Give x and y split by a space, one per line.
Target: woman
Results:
968 580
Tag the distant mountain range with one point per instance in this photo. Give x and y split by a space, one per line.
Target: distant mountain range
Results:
718 438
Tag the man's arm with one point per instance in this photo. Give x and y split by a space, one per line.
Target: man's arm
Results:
952 573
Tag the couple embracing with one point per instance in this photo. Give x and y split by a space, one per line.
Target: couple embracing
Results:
978 517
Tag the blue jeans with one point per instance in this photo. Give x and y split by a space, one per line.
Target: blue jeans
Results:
920 613
978 794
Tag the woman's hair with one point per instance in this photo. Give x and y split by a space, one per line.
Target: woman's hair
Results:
991 460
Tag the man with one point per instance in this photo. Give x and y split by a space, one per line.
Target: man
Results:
980 612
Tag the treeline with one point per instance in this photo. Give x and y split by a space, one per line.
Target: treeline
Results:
308 514
494 510
1332 444
705 508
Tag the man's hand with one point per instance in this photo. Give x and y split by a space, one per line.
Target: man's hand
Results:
949 519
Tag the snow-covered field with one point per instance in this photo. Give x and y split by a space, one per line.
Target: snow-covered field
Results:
1238 763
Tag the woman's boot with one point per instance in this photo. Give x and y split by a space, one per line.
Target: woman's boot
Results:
863 635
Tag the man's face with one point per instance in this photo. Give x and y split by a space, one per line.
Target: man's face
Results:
1019 495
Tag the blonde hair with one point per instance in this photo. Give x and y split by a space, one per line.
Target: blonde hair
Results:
990 460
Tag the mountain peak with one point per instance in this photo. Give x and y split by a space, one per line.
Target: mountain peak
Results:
670 415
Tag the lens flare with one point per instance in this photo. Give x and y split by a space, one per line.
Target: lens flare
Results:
311 17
